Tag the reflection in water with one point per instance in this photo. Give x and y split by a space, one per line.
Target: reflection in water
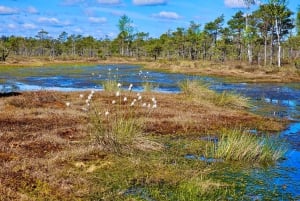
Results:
280 100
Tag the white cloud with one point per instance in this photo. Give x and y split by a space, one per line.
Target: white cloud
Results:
7 10
110 2
149 2
167 15
78 30
32 10
72 2
50 20
29 26
11 26
239 3
97 19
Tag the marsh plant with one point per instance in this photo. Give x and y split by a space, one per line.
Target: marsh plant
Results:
148 86
238 145
111 83
119 126
199 91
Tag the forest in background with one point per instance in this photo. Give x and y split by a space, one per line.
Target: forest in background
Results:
267 36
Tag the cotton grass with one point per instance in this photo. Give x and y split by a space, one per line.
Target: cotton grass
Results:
120 126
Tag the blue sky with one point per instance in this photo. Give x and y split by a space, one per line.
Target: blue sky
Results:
99 18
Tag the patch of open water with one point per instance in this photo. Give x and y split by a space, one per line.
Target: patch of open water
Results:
284 98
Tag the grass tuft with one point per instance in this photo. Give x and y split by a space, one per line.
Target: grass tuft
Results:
236 145
110 85
148 86
115 133
199 91
120 126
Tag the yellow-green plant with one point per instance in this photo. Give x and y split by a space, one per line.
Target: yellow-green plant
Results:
110 85
237 145
200 91
148 87
119 125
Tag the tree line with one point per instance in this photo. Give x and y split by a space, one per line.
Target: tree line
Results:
265 36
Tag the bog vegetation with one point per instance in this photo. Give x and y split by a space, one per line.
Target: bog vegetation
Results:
120 144
265 36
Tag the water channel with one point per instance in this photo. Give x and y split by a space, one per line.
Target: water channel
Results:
277 100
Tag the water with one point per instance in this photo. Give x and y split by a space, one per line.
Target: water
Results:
275 100
86 78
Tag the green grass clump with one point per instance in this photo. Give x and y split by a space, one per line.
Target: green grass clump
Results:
115 131
110 85
148 87
199 91
236 145
231 100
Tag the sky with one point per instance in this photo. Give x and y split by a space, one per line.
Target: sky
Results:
99 18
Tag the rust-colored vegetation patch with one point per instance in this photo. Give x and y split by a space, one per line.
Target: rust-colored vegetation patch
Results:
42 134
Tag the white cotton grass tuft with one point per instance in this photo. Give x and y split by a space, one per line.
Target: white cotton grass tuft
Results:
133 102
113 102
119 85
130 87
118 93
154 101
81 96
90 96
68 104
144 105
125 99
106 113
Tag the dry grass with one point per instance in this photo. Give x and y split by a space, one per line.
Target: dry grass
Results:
233 70
41 138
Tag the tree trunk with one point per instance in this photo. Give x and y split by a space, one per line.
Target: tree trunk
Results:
249 50
265 51
278 43
271 48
